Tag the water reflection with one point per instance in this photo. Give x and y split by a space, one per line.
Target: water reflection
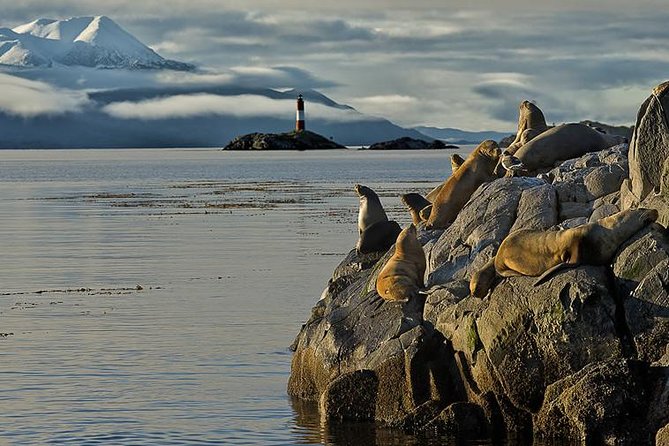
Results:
231 252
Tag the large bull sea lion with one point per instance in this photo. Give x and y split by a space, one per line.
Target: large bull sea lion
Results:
564 142
542 253
478 168
401 278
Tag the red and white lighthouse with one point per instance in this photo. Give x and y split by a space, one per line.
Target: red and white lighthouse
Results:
299 123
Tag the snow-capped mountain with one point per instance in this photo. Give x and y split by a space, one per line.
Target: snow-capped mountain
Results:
79 41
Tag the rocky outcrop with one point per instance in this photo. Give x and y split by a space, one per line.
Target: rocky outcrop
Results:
649 148
406 143
303 140
583 357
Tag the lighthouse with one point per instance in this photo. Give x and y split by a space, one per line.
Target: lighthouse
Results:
299 123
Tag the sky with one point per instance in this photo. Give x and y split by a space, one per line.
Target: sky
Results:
436 63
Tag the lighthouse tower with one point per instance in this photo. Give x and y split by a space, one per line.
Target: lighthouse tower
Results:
299 124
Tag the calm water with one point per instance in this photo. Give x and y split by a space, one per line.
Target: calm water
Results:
149 296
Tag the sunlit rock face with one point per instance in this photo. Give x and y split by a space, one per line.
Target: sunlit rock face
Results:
581 357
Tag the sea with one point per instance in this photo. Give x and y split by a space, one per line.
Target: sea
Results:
150 296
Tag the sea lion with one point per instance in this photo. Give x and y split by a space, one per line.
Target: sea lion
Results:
376 232
456 191
456 162
425 213
529 252
371 210
531 123
415 202
483 280
401 278
562 143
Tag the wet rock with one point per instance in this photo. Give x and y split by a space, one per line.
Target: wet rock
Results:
601 404
421 416
649 147
460 420
354 330
350 397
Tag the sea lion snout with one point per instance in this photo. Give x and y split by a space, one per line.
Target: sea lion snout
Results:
363 191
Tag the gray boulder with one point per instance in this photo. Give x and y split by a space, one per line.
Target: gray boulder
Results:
601 404
647 313
350 397
355 329
649 148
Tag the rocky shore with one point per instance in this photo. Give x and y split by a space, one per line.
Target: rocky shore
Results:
582 358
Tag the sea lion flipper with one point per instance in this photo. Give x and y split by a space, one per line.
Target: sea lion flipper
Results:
551 271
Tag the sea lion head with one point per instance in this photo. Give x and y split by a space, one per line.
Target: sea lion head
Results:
533 115
646 215
415 201
365 192
488 149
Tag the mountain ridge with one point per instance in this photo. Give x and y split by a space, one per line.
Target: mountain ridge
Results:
89 41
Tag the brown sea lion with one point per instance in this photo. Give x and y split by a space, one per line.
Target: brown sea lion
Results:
531 123
401 278
415 202
376 232
564 142
477 169
456 162
542 253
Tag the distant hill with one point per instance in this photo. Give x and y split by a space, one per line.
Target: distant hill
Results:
457 136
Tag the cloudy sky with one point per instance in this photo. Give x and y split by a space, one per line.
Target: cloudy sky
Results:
440 63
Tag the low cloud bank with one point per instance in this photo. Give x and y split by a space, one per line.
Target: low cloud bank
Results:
242 106
28 98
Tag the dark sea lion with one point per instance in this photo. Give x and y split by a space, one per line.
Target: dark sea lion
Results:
376 232
401 278
415 202
378 237
543 253
371 210
456 191
564 142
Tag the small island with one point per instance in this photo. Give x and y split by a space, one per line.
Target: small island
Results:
407 143
296 140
